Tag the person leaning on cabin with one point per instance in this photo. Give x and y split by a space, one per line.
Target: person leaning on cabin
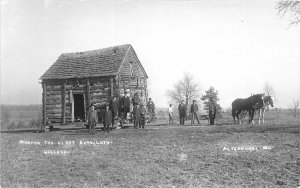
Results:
136 116
193 111
114 106
170 114
92 119
107 118
212 110
143 112
151 106
182 112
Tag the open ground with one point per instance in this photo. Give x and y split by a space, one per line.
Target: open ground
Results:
161 155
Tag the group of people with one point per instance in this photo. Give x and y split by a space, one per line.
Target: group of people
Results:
182 112
123 109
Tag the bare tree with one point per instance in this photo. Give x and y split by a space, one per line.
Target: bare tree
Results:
268 89
290 9
295 107
186 89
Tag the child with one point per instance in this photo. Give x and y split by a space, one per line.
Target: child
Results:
107 118
92 119
143 112
136 115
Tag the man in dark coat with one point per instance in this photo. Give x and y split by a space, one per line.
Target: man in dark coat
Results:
126 105
92 119
121 108
212 110
107 118
194 110
182 112
114 106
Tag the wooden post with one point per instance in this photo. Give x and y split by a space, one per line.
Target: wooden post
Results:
111 86
44 105
63 104
146 90
88 97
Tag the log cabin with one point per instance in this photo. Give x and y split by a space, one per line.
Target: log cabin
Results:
81 79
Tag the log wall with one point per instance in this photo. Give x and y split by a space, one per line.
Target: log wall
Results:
96 92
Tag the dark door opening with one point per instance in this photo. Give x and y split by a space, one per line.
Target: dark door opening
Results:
79 107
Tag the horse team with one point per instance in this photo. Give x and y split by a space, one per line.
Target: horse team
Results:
257 102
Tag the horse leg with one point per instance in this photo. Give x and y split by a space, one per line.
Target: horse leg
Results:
252 118
251 114
262 115
233 114
259 116
249 121
238 116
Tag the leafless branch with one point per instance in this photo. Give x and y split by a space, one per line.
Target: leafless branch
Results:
290 9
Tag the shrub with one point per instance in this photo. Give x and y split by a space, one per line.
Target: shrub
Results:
11 126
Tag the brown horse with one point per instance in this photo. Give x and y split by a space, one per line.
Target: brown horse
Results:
249 104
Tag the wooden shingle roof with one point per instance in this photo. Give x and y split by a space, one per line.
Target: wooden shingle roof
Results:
96 63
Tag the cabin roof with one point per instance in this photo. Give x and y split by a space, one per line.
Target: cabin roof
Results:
94 63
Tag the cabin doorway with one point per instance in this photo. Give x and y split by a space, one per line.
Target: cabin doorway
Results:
79 113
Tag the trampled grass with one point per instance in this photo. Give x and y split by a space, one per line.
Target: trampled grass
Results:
170 155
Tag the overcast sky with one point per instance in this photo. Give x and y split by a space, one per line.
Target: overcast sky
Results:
235 46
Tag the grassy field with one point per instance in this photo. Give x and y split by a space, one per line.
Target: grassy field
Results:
161 155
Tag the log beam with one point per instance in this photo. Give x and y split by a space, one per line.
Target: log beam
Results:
111 86
88 97
44 104
63 104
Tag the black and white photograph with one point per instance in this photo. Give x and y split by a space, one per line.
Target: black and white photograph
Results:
149 93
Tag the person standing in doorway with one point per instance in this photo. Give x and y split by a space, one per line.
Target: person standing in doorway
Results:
193 111
182 112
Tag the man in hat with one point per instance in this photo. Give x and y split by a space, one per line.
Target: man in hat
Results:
170 114
107 118
92 119
121 108
143 101
114 107
136 99
136 116
212 110
193 111
182 112
126 104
